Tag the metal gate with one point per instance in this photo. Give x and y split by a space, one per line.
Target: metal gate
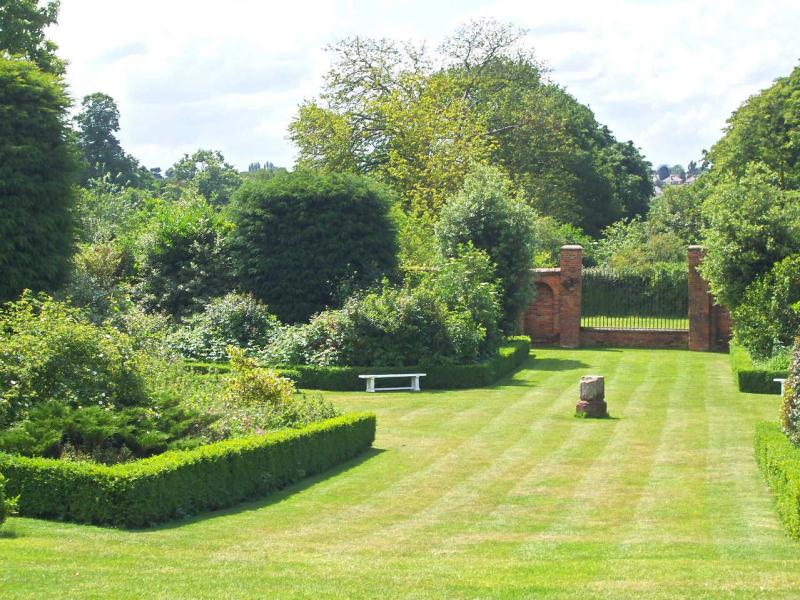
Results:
656 300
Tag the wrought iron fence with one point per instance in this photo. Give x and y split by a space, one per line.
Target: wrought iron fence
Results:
616 299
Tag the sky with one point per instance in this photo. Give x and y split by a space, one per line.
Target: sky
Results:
229 76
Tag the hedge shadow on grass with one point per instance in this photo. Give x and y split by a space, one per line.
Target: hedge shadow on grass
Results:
274 498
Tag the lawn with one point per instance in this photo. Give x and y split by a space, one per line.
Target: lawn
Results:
481 493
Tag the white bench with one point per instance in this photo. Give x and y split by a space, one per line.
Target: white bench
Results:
783 384
414 387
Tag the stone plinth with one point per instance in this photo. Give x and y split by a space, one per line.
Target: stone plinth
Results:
592 400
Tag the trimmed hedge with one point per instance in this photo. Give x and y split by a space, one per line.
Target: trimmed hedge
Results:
443 377
750 378
180 483
779 461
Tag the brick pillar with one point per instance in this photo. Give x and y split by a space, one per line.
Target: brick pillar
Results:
700 303
570 301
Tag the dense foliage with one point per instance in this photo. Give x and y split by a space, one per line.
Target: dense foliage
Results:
303 239
22 27
36 171
486 216
752 224
232 320
49 351
765 129
448 314
768 316
182 256
207 173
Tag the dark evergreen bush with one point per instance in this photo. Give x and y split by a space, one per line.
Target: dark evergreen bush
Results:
37 166
304 239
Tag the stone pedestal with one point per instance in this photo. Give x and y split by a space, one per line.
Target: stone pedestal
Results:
592 400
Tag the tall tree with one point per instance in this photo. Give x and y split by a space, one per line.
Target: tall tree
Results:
36 175
97 125
22 25
419 121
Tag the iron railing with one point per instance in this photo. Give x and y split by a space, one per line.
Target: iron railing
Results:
617 299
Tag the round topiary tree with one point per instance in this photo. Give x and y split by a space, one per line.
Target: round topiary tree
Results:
302 237
487 215
37 165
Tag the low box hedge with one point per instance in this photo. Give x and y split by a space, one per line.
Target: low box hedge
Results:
779 461
750 378
443 377
180 483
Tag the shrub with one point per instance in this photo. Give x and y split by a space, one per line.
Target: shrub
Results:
257 400
300 237
37 166
768 318
790 414
180 483
49 351
447 315
779 461
182 258
233 320
486 215
2 499
55 430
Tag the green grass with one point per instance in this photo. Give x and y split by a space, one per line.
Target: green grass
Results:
634 322
478 493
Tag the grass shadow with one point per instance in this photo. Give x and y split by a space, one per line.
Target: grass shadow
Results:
273 498
8 534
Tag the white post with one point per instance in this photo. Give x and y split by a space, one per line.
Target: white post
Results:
415 386
371 384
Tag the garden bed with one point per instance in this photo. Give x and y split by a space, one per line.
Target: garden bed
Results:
181 483
750 378
443 377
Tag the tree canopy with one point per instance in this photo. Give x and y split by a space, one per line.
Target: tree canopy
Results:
97 124
22 25
765 129
418 121
207 172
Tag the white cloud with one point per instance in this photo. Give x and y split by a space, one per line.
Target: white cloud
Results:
190 74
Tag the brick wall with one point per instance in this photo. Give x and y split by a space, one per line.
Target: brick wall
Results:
634 338
571 288
554 317
700 304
